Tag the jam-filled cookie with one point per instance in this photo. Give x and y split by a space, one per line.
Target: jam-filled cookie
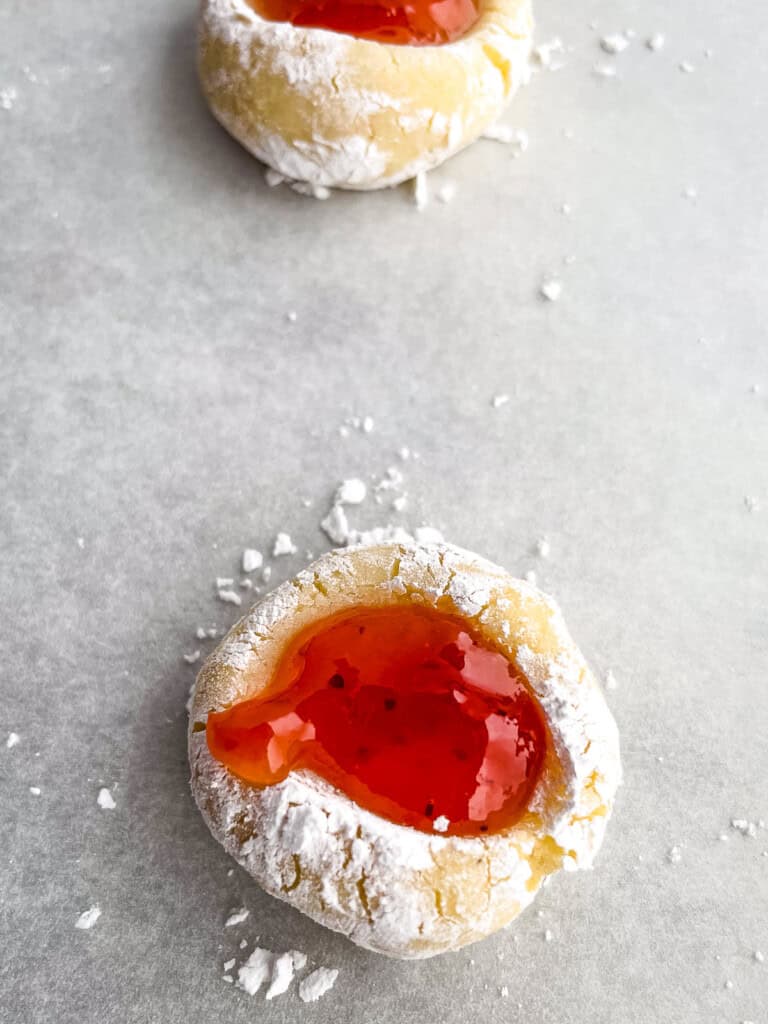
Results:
360 94
403 742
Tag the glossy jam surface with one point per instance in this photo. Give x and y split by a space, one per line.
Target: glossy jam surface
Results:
401 709
418 23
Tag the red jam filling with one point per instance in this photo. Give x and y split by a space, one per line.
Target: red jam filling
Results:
418 23
404 711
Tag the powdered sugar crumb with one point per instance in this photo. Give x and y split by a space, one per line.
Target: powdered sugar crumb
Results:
317 984
611 682
509 136
421 191
674 855
236 917
13 740
191 658
551 289
230 597
604 70
283 545
88 918
35 790
105 800
498 400
656 42
447 192
617 42
252 560
441 823
351 492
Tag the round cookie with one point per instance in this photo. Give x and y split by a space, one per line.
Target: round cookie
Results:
333 110
390 888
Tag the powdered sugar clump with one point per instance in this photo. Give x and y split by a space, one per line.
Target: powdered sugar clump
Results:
105 800
317 984
236 917
88 918
13 740
283 545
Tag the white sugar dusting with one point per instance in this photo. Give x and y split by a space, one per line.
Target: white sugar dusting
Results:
88 918
351 492
617 42
421 191
551 289
317 984
251 560
283 545
105 800
236 917
13 740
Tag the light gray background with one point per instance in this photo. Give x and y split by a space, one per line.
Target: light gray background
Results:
157 403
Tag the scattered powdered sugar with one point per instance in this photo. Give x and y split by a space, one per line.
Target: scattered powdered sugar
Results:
13 740
751 503
617 42
441 823
421 191
229 964
105 800
507 135
351 492
283 969
543 547
317 984
602 70
611 682
686 67
498 400
447 192
192 658
759 956
263 967
8 97
543 53
655 42
551 289
283 545
674 855
252 560
746 828
548 936
256 970
504 992
230 597
335 525
88 918
35 790
236 917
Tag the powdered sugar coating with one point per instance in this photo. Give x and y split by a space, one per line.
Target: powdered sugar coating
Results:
329 109
390 888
